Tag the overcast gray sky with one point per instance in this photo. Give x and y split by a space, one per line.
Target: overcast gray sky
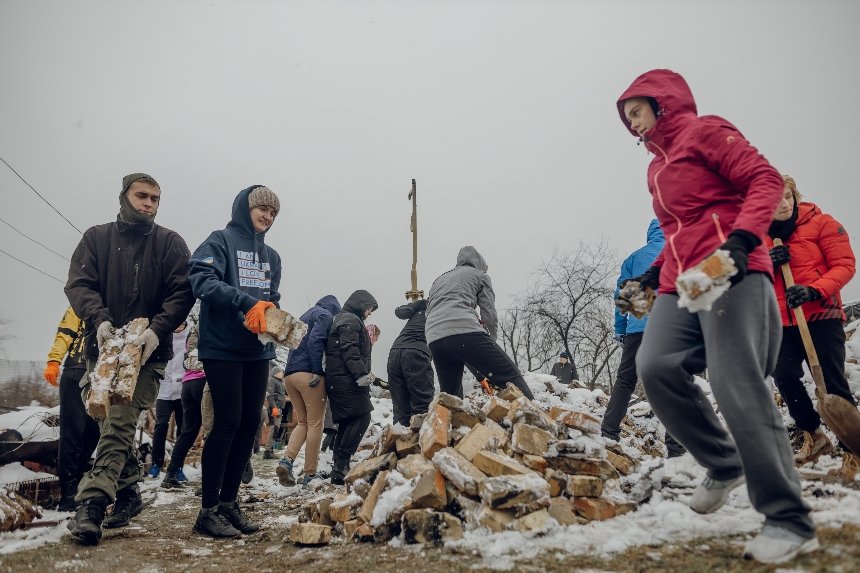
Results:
503 111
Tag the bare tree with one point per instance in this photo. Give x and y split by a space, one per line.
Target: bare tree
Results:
524 339
569 302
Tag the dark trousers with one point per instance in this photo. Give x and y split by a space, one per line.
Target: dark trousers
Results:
163 410
625 384
349 434
452 353
79 433
410 381
828 337
238 390
192 397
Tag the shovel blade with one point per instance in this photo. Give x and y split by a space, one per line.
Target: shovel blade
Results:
843 418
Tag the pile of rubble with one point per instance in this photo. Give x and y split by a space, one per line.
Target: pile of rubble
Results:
500 462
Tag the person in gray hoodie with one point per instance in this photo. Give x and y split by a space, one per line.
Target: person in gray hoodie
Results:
458 336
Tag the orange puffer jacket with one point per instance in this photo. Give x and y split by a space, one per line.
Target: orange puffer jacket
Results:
821 257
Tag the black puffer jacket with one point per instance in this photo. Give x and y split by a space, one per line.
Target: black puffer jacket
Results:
347 357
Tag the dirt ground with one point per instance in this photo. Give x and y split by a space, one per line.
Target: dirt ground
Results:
161 539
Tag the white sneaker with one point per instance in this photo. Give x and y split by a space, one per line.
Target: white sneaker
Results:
777 545
711 494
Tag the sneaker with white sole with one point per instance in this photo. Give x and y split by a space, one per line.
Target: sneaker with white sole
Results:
777 545
711 494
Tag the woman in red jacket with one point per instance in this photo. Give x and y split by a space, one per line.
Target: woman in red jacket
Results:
817 249
712 190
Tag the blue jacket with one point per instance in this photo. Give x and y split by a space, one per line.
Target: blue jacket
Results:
309 354
230 272
633 266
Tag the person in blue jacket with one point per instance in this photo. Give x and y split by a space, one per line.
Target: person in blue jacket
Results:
628 333
236 277
305 385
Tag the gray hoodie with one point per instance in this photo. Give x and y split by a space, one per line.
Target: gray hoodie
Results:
454 296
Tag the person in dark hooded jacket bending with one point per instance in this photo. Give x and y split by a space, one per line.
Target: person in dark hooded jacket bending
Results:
455 333
410 374
348 378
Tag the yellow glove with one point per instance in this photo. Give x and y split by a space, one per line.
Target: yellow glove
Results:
52 371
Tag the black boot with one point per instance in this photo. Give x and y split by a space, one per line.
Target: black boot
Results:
248 473
170 480
237 517
67 503
340 467
128 504
214 523
86 526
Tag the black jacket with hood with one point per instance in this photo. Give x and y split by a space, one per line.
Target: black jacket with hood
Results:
230 272
348 358
121 271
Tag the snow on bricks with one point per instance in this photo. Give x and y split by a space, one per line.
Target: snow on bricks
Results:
115 375
283 328
537 470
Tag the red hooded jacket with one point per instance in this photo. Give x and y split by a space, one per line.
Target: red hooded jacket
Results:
706 179
821 257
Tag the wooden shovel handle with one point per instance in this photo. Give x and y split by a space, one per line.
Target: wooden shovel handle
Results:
803 327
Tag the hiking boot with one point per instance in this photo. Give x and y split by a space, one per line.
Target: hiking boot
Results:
285 472
339 470
848 472
248 473
86 525
214 523
67 503
814 445
777 545
269 455
237 517
180 475
128 504
153 472
711 494
171 480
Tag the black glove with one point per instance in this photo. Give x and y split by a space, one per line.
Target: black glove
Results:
780 256
798 294
648 279
739 245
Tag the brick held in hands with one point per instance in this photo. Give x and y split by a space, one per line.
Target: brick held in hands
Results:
122 388
284 327
101 378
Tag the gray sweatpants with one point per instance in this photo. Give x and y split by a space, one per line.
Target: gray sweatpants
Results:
738 342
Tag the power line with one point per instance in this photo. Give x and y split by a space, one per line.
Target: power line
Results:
32 267
40 196
34 240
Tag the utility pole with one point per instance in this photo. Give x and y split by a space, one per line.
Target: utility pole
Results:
414 294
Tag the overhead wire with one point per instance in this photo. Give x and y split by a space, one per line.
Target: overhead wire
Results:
40 195
64 257
32 267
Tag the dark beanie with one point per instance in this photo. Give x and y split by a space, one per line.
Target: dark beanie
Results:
131 178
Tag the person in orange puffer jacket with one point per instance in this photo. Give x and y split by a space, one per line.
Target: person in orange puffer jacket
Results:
817 250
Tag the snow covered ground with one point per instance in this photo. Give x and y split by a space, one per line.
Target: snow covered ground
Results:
665 519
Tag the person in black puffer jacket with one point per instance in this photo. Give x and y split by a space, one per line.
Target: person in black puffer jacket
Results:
348 377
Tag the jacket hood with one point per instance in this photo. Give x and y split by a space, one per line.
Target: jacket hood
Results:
241 214
358 302
470 257
330 303
671 91
655 233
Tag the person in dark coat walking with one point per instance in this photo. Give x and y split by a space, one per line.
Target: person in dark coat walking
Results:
410 374
120 271
455 333
236 276
348 377
564 370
